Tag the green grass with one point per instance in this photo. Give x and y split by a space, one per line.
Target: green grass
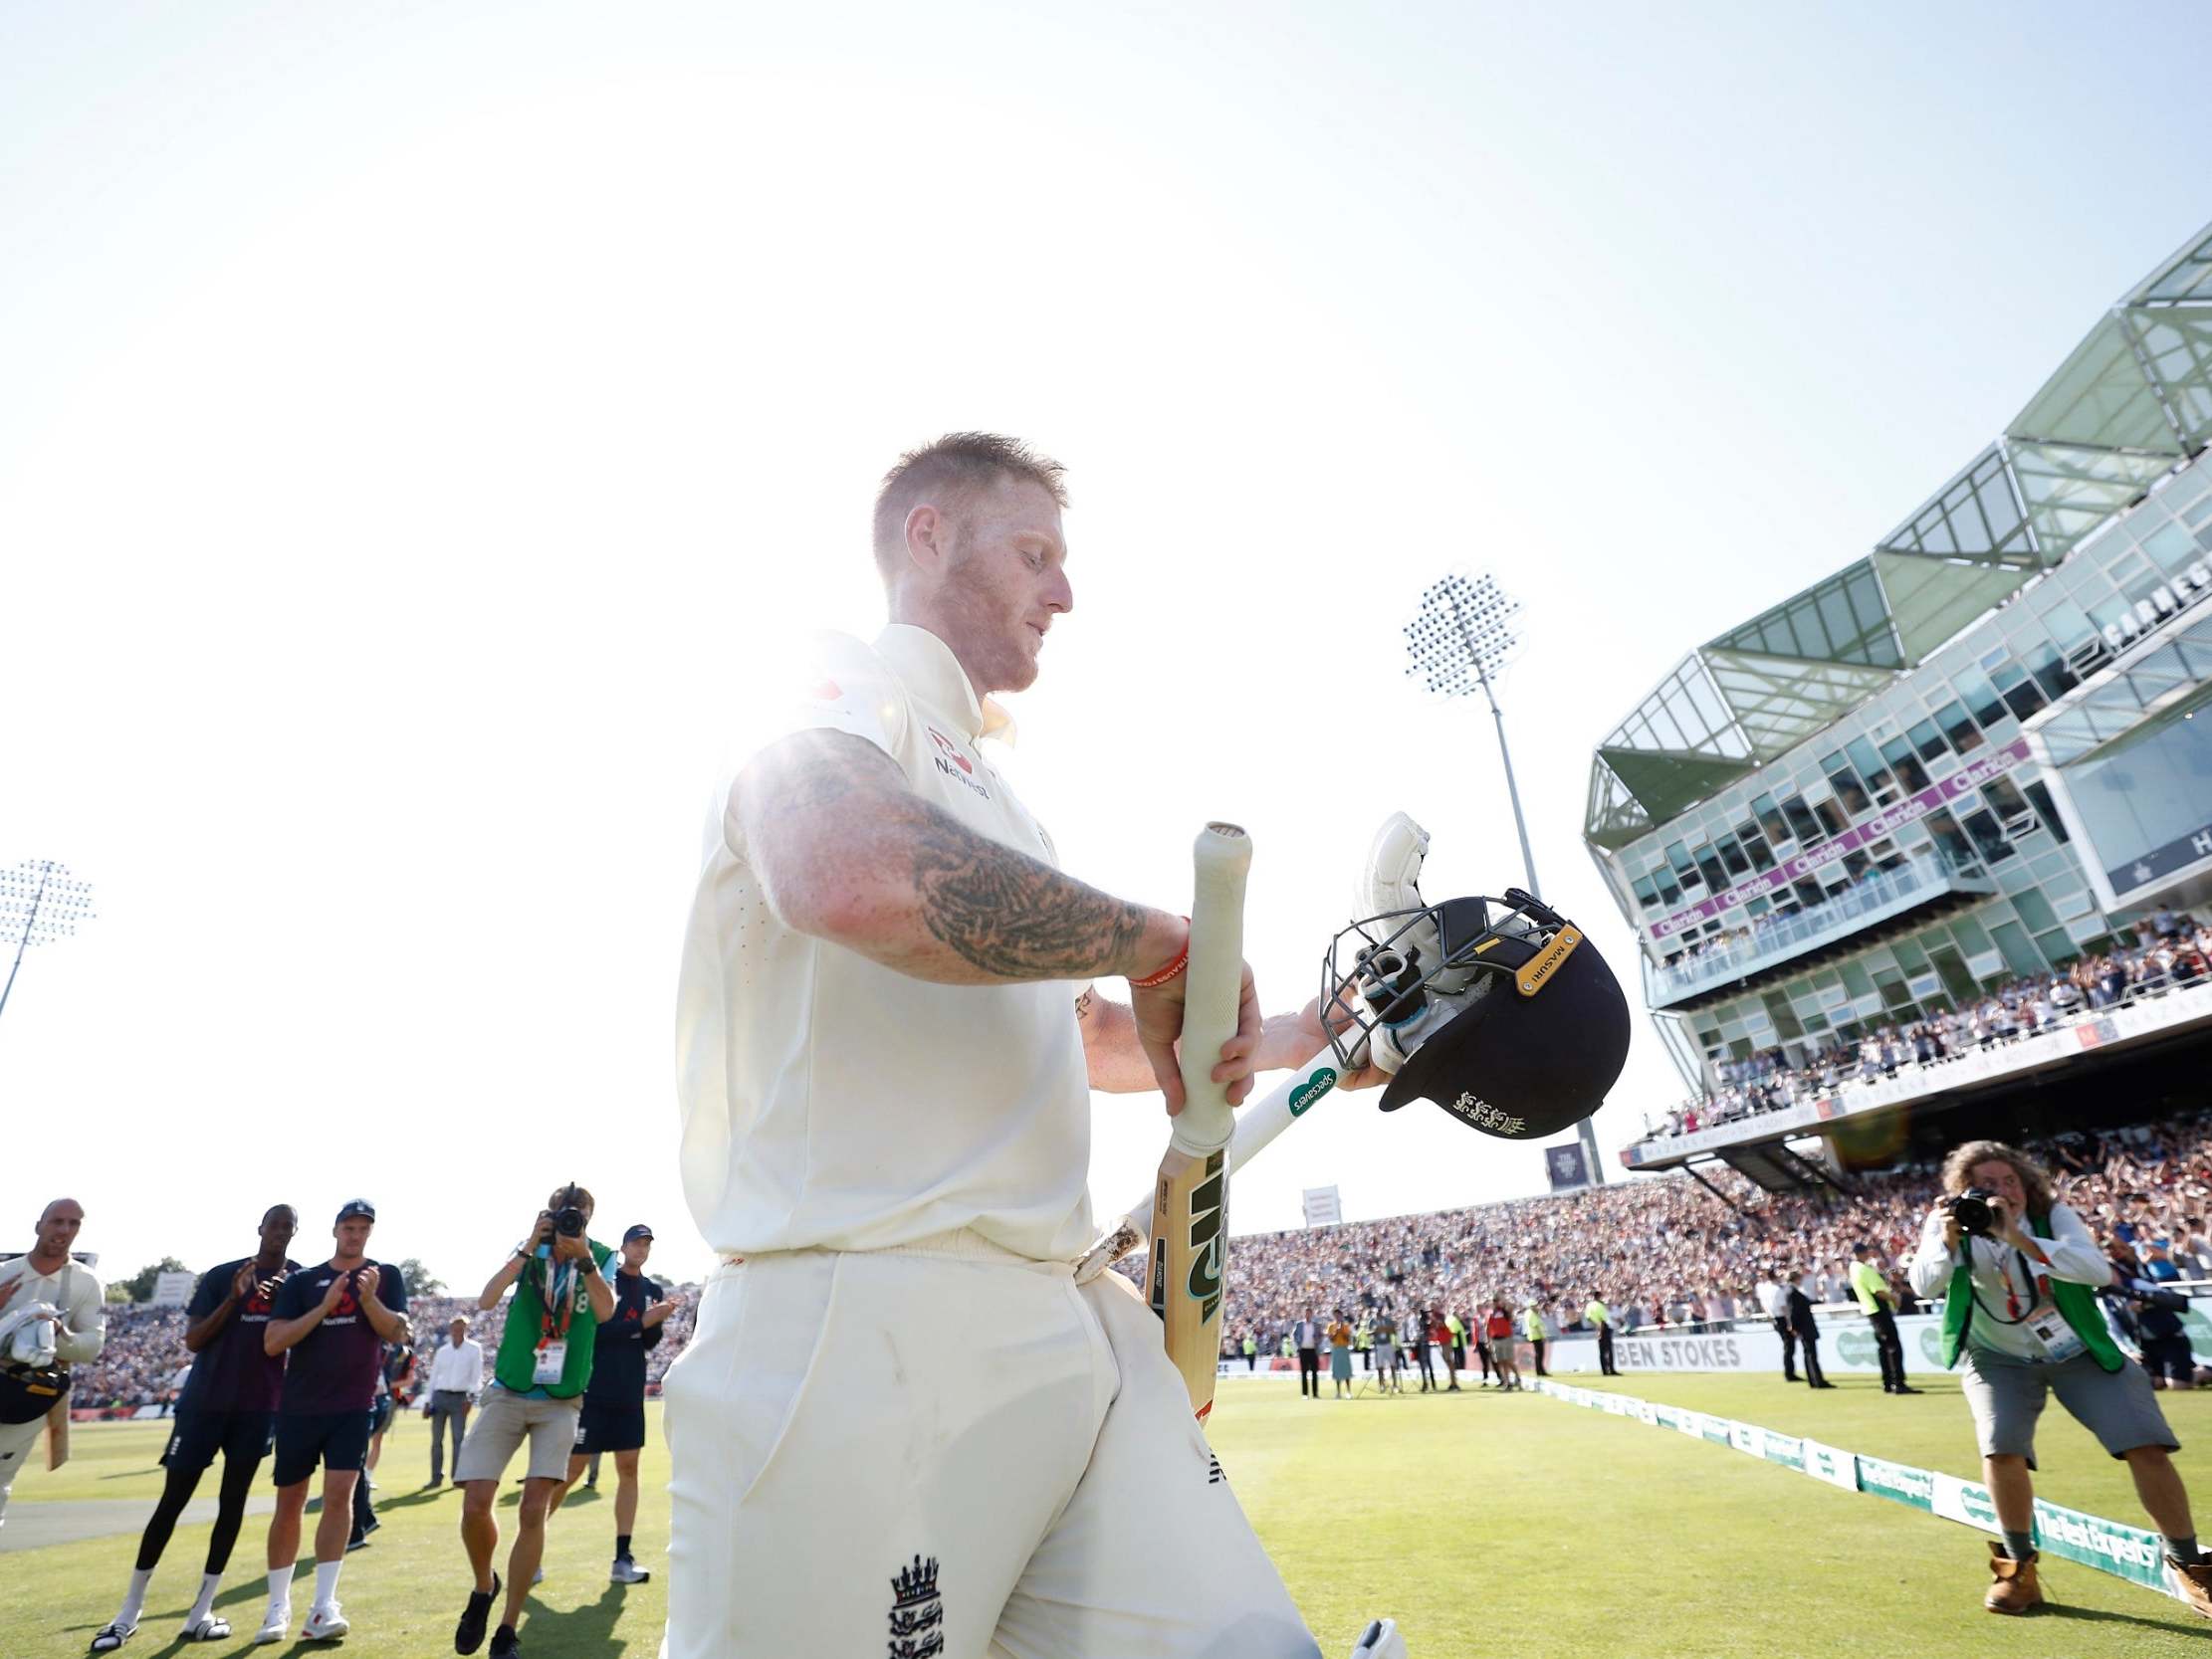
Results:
1482 1522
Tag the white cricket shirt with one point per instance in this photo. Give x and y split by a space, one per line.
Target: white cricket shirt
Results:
71 1288
830 1102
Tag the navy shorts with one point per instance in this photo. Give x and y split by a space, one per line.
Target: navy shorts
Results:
2169 1356
196 1436
610 1428
334 1440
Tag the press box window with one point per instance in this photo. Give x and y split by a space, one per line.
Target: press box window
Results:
1964 735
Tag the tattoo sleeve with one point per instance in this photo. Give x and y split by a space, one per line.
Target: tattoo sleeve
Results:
835 833
1011 915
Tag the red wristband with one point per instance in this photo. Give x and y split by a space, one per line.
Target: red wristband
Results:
1153 981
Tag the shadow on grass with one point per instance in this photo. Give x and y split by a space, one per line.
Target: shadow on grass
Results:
586 1633
2097 1615
423 1495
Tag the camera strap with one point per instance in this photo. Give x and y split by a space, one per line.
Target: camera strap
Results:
559 1301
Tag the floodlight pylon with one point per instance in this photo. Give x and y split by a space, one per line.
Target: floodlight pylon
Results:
40 902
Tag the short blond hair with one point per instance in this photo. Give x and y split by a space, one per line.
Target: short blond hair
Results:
1958 1167
951 469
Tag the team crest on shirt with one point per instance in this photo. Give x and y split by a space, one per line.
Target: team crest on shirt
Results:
917 1612
954 763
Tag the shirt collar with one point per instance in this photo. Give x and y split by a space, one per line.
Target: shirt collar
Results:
931 672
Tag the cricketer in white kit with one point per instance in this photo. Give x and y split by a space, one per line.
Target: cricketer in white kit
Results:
901 1426
45 1288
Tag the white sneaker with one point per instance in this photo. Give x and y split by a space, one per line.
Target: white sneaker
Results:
627 1572
538 1577
323 1625
276 1624
1380 1640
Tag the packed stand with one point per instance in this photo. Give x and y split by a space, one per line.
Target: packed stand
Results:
144 1358
2176 951
1665 1251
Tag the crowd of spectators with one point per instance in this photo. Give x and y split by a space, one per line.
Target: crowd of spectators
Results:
2175 951
1666 1251
144 1355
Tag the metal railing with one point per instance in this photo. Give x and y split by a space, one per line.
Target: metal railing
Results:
1777 938
1812 1087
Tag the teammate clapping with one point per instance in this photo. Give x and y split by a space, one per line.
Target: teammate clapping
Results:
229 1405
333 1320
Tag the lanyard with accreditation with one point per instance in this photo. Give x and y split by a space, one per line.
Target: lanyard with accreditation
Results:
562 1290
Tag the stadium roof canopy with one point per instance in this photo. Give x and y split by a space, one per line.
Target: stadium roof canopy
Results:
2133 401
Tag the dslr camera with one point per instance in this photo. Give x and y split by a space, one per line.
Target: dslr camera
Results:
567 1218
1970 1209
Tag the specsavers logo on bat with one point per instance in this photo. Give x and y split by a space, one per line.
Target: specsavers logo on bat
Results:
954 763
1310 1093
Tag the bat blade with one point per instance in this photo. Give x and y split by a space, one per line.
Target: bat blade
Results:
1189 1236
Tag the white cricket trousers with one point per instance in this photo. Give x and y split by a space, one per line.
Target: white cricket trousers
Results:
949 1452
16 1441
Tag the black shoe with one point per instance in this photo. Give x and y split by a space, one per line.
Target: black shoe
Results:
468 1635
356 1541
1900 1388
506 1644
1823 1384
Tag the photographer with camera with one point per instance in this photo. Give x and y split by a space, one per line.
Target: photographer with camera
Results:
538 1377
2149 1316
2019 1274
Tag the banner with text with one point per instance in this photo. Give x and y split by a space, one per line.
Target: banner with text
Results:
1860 833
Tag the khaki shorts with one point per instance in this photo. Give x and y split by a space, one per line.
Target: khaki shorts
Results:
1501 1349
504 1421
2007 1396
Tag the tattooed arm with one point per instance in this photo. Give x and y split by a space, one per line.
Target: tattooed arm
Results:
847 852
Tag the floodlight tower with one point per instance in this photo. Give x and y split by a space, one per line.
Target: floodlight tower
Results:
1464 636
40 902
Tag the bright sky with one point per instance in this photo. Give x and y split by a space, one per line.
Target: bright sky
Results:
419 423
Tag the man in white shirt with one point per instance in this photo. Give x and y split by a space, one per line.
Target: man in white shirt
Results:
2018 1272
1774 1302
44 1289
887 1034
456 1379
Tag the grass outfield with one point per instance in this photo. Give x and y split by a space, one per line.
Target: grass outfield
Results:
1482 1522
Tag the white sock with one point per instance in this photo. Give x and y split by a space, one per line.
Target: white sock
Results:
326 1582
280 1586
134 1598
210 1583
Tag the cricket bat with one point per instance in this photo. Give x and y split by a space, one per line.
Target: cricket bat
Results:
1258 1125
1190 1206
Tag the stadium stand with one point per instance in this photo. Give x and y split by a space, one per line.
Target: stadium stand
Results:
1666 1249
145 1349
2175 951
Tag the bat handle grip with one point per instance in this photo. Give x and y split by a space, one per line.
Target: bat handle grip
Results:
1222 859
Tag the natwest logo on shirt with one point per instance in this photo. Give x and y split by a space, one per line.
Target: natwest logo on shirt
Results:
954 763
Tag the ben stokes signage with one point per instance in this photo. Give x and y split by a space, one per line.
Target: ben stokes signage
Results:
1863 833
